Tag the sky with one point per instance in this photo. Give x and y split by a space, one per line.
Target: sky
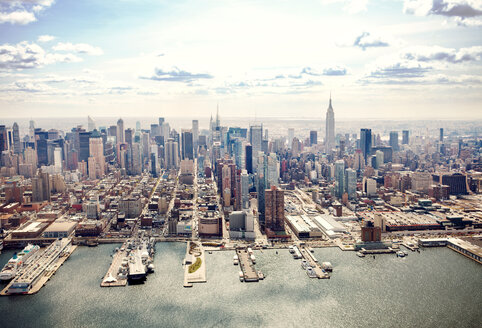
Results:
379 59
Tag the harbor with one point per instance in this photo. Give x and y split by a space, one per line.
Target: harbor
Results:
116 275
310 263
40 269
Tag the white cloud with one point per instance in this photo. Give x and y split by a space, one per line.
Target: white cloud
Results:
26 55
22 11
350 6
45 38
367 40
441 54
460 10
81 48
17 17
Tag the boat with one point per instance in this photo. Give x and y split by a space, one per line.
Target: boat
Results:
401 254
241 276
253 259
304 264
327 266
360 254
292 249
235 260
260 275
150 267
11 269
311 273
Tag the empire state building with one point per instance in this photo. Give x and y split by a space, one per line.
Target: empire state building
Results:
330 128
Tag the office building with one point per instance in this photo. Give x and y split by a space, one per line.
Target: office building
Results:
366 143
274 209
187 145
405 137
394 141
313 138
339 178
330 128
120 131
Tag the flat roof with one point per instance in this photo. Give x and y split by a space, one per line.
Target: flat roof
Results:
61 226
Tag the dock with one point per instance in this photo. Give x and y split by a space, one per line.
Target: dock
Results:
194 264
388 250
247 266
313 262
113 272
410 244
36 274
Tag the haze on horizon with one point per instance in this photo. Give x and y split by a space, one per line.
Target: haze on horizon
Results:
380 59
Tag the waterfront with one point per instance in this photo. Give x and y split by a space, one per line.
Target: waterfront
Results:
436 288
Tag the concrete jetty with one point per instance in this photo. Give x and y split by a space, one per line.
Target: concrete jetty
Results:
247 266
194 264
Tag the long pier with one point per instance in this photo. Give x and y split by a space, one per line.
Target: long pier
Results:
247 266
112 278
320 274
37 272
194 262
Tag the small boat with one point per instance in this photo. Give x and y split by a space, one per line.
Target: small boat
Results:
253 259
401 254
327 266
360 254
241 276
304 264
292 249
310 272
260 275
235 260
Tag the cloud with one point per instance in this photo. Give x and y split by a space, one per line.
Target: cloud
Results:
45 38
350 6
17 17
367 40
176 75
336 70
81 48
402 69
435 53
22 12
460 10
27 55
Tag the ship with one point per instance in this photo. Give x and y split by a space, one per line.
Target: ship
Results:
310 272
235 260
13 266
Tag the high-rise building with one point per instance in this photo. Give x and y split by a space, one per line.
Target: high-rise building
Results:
3 138
366 143
330 127
441 135
249 158
350 176
359 163
405 137
379 159
394 140
129 136
120 131
90 124
291 135
96 152
339 178
84 141
313 138
171 154
255 138
244 189
58 159
41 187
17 146
195 136
187 145
274 209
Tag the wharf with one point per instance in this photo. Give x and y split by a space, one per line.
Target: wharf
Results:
313 263
247 267
37 272
467 247
195 261
410 244
378 251
114 269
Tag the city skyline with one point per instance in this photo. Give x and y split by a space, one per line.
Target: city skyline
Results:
380 59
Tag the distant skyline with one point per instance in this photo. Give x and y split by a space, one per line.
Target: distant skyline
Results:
386 59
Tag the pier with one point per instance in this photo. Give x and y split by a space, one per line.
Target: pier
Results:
38 271
194 264
112 278
247 266
313 262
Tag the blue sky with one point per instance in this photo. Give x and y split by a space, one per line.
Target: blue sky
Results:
399 59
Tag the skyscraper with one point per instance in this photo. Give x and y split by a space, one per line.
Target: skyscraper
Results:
394 140
96 151
90 124
313 138
441 135
330 127
366 143
274 209
249 158
17 146
339 178
405 137
187 145
291 135
195 135
171 154
350 176
120 131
